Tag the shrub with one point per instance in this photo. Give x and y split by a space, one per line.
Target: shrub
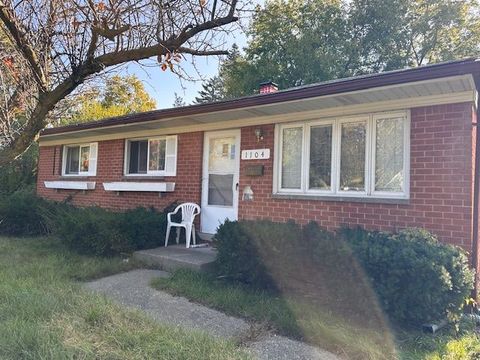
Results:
145 228
415 278
268 255
237 257
92 231
20 174
20 214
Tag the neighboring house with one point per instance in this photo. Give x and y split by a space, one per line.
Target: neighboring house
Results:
384 151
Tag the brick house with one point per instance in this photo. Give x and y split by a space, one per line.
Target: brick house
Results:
384 151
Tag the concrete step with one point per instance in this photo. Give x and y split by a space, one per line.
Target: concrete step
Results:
176 257
205 236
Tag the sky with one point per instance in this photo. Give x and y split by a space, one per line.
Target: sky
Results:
162 85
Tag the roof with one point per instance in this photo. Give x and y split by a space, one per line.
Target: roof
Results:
437 71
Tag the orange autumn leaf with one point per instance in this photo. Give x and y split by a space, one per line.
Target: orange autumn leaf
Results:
8 61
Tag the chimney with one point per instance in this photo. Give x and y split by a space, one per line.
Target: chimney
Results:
268 87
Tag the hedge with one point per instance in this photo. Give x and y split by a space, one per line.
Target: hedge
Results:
414 277
90 230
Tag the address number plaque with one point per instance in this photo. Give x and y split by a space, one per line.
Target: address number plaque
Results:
256 154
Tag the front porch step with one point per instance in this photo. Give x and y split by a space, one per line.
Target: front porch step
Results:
205 236
176 257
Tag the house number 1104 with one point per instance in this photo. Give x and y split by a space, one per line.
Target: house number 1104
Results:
256 154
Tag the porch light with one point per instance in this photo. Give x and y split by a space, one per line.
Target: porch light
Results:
247 193
259 134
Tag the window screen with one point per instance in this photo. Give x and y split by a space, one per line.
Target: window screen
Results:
138 157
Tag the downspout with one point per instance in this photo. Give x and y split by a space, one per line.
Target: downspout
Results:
476 184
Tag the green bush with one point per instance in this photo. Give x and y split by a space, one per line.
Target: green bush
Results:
97 231
20 214
145 228
20 174
415 278
92 230
237 256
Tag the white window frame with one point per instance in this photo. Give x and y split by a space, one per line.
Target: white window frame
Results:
337 142
302 181
370 120
150 172
308 128
80 146
406 153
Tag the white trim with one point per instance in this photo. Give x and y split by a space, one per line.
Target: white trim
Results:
174 156
70 185
398 104
406 154
338 165
280 153
139 186
164 172
89 172
370 143
308 128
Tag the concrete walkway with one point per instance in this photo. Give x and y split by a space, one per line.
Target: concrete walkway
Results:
133 290
176 257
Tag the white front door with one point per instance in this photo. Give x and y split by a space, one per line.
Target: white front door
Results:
221 163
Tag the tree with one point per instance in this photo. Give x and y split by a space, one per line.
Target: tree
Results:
59 44
300 42
212 91
178 102
119 96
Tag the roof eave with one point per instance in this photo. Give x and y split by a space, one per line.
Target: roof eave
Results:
469 66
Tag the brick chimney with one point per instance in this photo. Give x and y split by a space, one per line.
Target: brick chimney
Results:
268 87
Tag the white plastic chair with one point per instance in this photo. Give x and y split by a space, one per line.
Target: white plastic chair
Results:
189 211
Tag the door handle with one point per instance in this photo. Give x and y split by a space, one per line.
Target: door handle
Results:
236 187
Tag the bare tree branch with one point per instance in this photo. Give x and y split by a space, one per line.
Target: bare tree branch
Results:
58 45
7 17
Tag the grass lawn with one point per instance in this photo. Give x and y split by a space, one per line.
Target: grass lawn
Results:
46 314
319 326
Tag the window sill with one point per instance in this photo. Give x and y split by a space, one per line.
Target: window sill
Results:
76 177
374 200
139 186
142 177
70 185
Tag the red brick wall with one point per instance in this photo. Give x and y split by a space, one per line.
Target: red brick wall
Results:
110 168
440 180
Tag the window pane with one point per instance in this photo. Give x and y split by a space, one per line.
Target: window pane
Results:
157 155
221 154
142 156
320 157
352 157
138 157
84 158
220 189
72 160
292 158
389 154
